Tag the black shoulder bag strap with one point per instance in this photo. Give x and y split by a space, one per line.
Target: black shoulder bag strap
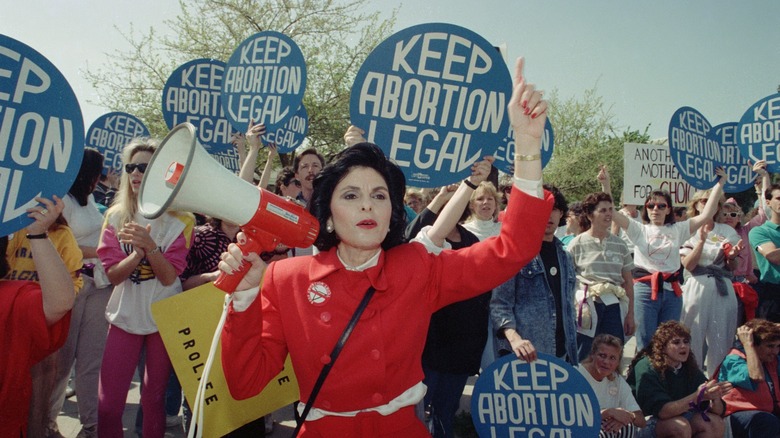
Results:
333 356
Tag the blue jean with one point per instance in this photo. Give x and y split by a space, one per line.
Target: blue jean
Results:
443 395
649 314
173 396
609 322
754 424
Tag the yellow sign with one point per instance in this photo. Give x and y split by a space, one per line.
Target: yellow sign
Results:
187 322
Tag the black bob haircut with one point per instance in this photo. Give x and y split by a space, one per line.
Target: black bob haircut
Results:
360 155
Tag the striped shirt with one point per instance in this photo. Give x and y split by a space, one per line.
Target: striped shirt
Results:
601 260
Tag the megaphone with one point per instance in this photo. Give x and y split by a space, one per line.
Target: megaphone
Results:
183 176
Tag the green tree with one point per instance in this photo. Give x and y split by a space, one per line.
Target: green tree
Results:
335 38
586 137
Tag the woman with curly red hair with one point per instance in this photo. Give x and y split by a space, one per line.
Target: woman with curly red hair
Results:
669 386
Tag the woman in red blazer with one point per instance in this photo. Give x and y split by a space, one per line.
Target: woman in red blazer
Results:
306 302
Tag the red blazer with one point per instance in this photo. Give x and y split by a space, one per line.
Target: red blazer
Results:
307 301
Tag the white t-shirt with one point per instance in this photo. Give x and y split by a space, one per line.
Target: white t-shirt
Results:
611 393
86 222
712 252
657 249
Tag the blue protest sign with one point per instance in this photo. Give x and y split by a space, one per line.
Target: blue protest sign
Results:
434 98
41 133
741 175
191 94
545 398
759 132
264 81
110 133
694 149
292 134
505 155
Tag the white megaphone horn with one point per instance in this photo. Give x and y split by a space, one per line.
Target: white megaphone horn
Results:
183 176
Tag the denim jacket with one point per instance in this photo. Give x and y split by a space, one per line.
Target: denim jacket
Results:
525 303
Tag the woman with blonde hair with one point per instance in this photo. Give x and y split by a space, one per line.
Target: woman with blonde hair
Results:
143 259
709 303
620 414
484 211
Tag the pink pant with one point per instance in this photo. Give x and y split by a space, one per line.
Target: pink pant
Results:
122 352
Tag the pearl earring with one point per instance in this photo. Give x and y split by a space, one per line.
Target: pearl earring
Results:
329 226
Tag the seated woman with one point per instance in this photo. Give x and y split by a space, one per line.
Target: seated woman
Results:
620 414
751 366
670 387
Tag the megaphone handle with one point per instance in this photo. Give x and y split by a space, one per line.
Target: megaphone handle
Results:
229 282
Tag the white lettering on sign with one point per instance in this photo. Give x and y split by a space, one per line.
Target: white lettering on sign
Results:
548 409
209 131
430 103
201 102
458 51
428 150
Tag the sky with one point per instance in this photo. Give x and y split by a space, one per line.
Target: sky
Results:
646 59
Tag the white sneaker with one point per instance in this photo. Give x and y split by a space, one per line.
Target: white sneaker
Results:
172 420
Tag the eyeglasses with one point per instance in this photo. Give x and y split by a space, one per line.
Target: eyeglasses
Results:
730 214
293 181
130 168
652 205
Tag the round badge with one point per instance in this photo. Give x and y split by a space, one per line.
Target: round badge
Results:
318 293
553 271
613 390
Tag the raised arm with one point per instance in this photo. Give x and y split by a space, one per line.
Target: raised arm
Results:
265 177
452 212
712 202
253 139
604 180
766 181
527 114
754 366
56 285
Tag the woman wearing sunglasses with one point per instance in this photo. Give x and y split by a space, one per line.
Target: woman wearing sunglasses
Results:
143 259
657 293
709 303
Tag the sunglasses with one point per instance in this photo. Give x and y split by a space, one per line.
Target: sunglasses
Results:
130 168
731 214
652 205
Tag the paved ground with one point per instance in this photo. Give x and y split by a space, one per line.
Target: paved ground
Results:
69 423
